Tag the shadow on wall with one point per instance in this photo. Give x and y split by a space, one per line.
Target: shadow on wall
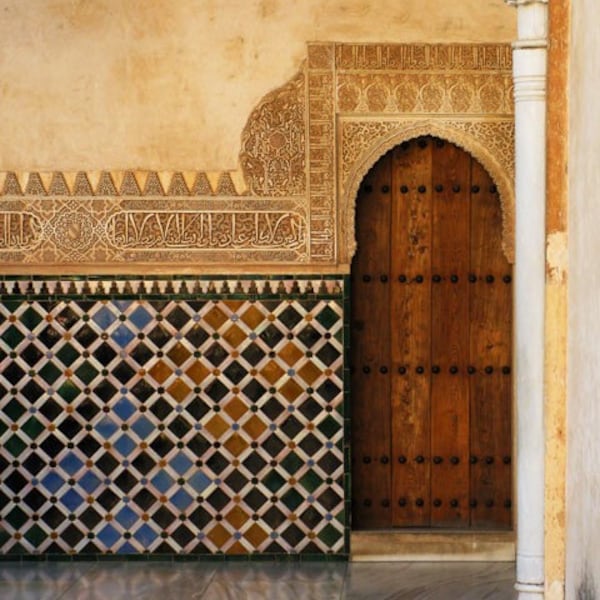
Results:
587 587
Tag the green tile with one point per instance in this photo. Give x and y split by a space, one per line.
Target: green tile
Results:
329 535
86 372
329 426
14 409
67 354
68 391
273 480
310 481
50 373
12 337
35 535
15 445
32 428
30 318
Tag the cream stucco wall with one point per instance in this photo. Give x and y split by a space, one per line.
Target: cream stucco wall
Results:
583 411
169 84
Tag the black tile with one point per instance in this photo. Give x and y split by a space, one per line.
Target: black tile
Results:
87 409
311 517
272 408
34 500
107 500
217 463
144 463
88 445
271 336
144 499
329 499
162 445
179 426
201 518
67 317
273 445
123 372
159 336
309 336
254 463
292 427
126 481
33 463
216 391
72 535
328 354
235 372
310 408
273 517
70 427
86 336
106 463
310 444
141 354
105 390
216 354
31 355
178 317
15 482
236 481
104 354
290 317
197 408
293 535
199 445
196 335
218 500
328 390
329 462
163 517
142 390
52 446
161 408
253 354
182 535
53 517
90 517
13 373
49 336
254 391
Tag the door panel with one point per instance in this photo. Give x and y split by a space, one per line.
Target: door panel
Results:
490 333
450 337
370 324
431 341
410 301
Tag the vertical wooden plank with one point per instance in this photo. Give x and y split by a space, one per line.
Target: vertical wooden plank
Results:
450 337
370 352
410 320
490 354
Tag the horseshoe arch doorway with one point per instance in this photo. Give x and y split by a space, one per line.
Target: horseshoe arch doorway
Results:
431 341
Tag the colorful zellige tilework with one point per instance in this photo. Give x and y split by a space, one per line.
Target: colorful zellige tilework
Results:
171 425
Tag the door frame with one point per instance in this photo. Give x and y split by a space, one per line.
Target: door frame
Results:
419 545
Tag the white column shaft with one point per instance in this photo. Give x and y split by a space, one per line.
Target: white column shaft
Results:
530 233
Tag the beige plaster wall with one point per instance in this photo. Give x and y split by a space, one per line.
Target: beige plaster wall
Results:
583 409
169 84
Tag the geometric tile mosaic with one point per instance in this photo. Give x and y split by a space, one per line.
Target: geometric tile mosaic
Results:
171 424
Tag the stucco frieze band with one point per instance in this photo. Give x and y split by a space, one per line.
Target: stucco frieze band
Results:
304 150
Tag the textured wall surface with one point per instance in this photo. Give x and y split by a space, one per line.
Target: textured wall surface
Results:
583 476
169 85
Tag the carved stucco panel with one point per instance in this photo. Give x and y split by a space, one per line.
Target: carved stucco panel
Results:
363 142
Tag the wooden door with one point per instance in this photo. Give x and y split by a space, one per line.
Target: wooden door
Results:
431 344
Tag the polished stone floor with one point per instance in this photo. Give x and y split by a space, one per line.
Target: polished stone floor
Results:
255 581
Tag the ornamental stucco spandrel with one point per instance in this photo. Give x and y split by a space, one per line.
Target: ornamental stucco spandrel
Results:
304 151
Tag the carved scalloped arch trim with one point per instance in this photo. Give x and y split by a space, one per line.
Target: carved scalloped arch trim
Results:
467 142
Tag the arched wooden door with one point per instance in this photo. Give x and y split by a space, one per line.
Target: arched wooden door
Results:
431 344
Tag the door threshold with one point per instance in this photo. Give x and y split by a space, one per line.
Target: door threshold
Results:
420 545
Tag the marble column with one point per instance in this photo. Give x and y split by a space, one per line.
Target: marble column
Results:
529 69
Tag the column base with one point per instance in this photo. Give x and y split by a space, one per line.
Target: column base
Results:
530 591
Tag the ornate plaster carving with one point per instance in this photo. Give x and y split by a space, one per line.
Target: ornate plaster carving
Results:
273 155
364 142
304 151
